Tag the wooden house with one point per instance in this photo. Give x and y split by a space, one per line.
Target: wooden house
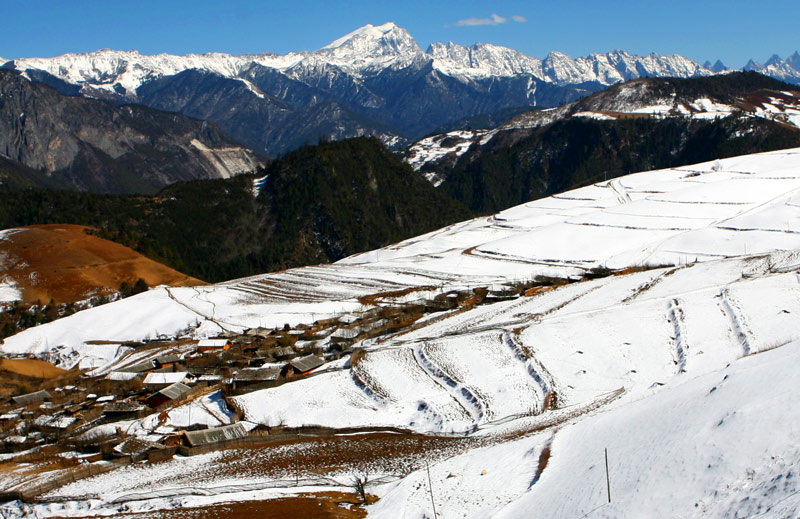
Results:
167 361
139 367
207 345
124 410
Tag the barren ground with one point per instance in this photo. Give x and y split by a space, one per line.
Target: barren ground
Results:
64 263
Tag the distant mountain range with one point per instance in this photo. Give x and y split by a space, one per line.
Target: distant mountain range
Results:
376 80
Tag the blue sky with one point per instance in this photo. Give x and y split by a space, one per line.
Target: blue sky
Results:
732 30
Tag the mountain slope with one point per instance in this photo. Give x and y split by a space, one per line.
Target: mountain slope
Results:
65 263
90 145
634 126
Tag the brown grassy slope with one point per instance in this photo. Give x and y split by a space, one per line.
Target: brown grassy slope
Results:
65 263
31 368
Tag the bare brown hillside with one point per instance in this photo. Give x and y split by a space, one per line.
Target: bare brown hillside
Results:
64 263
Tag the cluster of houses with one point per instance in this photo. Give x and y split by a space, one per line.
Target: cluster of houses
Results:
155 377
162 377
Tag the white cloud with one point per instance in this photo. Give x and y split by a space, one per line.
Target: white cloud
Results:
518 18
495 19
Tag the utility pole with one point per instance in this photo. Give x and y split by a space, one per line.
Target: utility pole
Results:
430 488
296 468
608 480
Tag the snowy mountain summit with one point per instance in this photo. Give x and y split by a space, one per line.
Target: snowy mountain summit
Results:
372 48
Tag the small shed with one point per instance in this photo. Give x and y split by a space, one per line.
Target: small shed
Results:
170 393
216 435
31 398
206 345
261 359
305 365
157 381
345 335
283 353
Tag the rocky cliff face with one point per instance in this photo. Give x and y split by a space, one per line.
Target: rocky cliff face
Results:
91 145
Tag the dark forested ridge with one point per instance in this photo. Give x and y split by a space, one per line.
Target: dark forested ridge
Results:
539 153
318 204
516 167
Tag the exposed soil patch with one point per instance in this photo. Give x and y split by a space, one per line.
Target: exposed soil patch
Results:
325 505
31 368
65 263
326 460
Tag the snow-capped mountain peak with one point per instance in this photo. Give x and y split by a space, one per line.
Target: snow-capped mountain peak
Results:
372 48
384 32
482 60
774 60
794 60
753 65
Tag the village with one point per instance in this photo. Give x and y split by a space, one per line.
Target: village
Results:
170 396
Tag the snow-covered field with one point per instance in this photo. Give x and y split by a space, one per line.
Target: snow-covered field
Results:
683 367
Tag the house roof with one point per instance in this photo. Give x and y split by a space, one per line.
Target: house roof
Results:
56 422
252 375
31 398
123 407
212 343
165 378
168 359
175 391
136 446
121 376
307 363
216 435
139 367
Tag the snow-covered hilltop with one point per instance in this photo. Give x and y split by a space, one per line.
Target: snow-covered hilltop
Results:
657 98
746 100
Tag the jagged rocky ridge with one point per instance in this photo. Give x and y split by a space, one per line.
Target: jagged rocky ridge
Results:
90 145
